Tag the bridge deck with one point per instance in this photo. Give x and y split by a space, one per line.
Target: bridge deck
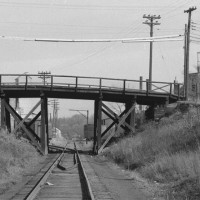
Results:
74 87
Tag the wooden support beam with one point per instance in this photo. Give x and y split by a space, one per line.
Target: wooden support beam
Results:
27 126
3 120
131 118
112 124
95 127
34 119
29 134
97 124
26 117
7 116
44 137
117 118
122 120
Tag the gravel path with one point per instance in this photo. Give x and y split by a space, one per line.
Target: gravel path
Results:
120 184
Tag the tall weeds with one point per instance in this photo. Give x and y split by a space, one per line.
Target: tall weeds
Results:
15 156
168 152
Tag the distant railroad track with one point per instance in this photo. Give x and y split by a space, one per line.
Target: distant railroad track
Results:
63 177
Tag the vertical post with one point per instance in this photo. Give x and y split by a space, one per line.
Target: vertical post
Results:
87 117
131 118
185 63
100 84
151 23
7 116
178 91
189 11
76 84
97 124
140 106
44 118
141 82
95 150
147 86
170 89
124 86
51 82
0 81
26 82
3 120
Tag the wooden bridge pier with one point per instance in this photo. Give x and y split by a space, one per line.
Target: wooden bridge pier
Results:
5 115
21 123
126 121
44 124
97 123
131 118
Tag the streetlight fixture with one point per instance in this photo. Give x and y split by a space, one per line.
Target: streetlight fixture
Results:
80 112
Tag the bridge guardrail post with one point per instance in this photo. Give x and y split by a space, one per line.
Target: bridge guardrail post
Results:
26 82
51 82
76 84
0 81
147 86
170 88
124 90
178 91
100 84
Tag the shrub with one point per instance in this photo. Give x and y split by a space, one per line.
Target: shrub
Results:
15 156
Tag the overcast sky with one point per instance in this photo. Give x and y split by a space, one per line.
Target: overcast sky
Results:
92 19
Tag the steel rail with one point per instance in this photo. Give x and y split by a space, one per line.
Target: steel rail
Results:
33 193
88 185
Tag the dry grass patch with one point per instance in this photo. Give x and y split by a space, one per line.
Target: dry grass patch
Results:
16 155
168 153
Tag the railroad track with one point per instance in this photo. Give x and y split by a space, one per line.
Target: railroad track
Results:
63 177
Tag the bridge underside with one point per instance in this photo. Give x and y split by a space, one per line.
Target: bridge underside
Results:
142 97
126 120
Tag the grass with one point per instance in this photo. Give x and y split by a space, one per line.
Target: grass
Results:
16 155
168 153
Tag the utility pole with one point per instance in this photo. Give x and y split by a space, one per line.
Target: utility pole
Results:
185 60
150 21
189 11
44 76
54 105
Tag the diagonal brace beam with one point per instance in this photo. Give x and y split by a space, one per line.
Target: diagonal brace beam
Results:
34 119
111 125
121 121
11 110
26 117
26 125
118 118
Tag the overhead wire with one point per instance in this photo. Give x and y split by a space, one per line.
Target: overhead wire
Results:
101 50
133 31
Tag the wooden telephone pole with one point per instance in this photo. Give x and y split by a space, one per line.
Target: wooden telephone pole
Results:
150 21
187 51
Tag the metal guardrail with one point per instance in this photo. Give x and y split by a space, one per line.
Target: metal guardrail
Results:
98 83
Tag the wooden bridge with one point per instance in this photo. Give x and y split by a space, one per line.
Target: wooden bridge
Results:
130 92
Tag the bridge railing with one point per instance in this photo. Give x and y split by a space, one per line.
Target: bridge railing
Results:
80 82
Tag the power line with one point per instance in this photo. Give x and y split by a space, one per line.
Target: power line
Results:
44 76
